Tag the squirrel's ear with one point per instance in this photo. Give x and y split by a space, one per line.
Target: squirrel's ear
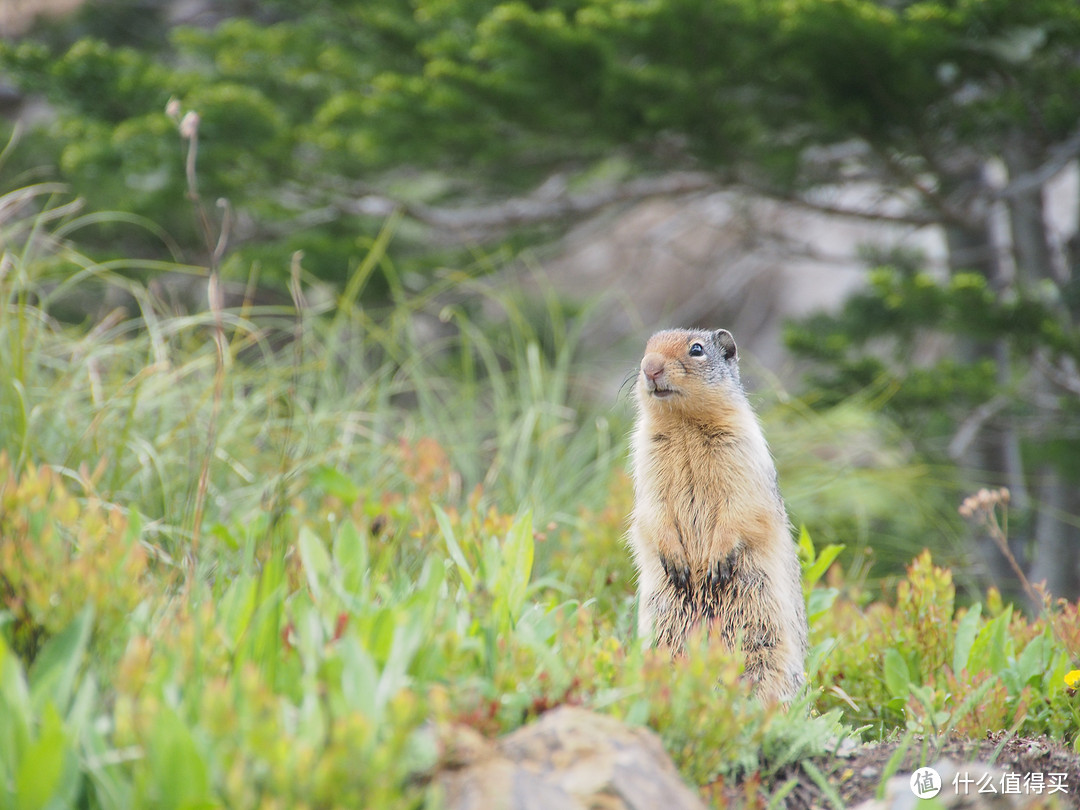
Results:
726 343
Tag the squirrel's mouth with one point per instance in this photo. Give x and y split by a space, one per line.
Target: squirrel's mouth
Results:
660 392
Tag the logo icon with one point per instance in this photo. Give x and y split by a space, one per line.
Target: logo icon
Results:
926 783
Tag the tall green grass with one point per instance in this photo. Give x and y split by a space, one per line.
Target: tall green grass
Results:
130 405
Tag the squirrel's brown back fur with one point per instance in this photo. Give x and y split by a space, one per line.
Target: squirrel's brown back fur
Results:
709 532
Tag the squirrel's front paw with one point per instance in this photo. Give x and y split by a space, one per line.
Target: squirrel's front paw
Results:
719 574
678 572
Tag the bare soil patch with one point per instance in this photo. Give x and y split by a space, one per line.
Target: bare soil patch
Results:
858 776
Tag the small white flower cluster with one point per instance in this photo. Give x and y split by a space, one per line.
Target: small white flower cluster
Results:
188 124
983 502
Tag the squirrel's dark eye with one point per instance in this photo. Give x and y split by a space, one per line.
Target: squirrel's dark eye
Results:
697 350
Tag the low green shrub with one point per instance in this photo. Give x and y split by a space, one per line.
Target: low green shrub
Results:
922 664
59 555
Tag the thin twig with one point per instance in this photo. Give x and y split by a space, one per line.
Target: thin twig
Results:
215 247
982 507
537 208
971 426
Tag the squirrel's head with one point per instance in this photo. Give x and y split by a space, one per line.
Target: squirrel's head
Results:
689 368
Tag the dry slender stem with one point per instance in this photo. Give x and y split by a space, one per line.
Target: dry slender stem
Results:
982 507
215 296
1000 538
189 131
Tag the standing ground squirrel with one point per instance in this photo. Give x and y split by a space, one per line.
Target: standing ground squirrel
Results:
709 533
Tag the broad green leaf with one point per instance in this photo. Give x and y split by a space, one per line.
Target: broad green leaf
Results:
819 653
14 707
380 638
81 714
225 535
491 565
468 577
311 725
334 482
237 605
176 762
351 557
897 675
988 651
52 678
359 676
313 555
408 636
266 625
48 775
965 637
999 652
517 563
824 559
426 597
896 704
819 601
310 633
1060 664
1032 663
112 784
806 547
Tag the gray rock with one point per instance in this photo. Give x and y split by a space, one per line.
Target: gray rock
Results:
569 759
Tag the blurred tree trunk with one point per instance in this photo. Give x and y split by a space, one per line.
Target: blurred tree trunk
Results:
1056 544
987 456
994 457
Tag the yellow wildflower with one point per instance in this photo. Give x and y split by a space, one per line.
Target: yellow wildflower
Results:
1072 679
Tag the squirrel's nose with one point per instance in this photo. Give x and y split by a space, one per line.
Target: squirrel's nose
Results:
652 366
